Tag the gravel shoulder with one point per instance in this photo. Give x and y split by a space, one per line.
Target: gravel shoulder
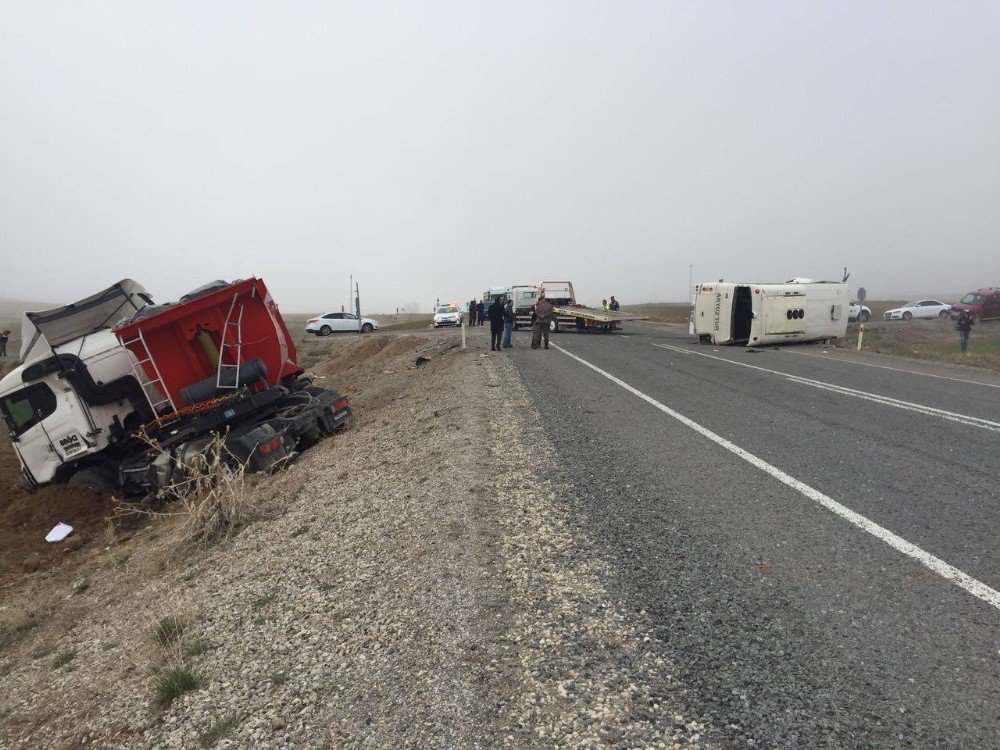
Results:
417 581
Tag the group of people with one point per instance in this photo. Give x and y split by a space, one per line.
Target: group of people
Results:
612 305
502 318
476 312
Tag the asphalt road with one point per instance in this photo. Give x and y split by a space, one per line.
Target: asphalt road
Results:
790 625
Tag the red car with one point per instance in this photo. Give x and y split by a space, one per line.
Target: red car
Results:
982 304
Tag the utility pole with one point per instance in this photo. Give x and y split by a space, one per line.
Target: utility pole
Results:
691 299
357 303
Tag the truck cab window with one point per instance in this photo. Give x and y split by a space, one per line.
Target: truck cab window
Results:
23 409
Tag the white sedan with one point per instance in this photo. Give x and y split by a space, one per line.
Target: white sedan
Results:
925 308
333 322
447 315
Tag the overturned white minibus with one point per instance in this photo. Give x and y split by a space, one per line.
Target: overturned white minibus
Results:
757 314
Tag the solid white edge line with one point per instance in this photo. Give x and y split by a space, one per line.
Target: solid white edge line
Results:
887 367
967 419
975 587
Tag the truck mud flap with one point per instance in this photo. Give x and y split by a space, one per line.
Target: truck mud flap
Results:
332 411
258 448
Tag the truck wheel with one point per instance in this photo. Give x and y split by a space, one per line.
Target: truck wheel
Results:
367 328
864 316
95 479
554 326
325 331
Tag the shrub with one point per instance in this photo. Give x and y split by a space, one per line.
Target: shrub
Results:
174 682
168 630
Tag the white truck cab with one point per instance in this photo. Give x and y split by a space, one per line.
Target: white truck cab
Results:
64 406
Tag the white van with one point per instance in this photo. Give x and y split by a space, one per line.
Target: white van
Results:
757 314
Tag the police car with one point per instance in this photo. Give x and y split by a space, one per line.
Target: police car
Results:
448 315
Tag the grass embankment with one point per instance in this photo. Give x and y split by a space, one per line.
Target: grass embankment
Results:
663 312
935 340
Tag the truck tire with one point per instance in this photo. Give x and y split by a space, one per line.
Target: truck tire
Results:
325 331
367 328
554 326
95 479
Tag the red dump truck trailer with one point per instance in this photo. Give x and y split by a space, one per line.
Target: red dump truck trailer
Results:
117 393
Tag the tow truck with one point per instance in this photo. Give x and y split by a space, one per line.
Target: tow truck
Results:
570 315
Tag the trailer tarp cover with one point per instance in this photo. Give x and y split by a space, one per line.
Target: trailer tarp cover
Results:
42 331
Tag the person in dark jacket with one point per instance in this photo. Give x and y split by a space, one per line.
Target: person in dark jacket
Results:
509 318
544 315
480 315
472 313
4 336
496 325
964 326
613 304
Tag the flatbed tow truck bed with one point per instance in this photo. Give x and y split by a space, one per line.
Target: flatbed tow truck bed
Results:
585 318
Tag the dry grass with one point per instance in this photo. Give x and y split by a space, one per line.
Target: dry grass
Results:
212 500
18 623
935 340
663 312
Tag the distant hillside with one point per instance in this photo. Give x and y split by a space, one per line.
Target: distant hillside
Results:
13 309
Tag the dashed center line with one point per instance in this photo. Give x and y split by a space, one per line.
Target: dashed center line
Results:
972 585
983 424
895 369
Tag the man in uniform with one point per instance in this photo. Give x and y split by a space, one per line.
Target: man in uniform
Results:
544 314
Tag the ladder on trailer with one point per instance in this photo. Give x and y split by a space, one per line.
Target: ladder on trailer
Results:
159 389
236 327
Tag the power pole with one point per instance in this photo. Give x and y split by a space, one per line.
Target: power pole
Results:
357 302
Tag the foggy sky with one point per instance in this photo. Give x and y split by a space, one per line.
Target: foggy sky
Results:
434 149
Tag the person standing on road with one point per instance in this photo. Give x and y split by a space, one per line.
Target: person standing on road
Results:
613 304
496 325
472 313
4 336
964 326
604 305
480 317
509 317
544 313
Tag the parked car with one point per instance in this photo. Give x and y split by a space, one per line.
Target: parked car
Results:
925 308
982 304
448 315
333 322
859 312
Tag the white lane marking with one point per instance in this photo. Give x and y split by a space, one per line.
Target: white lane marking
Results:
897 369
623 335
974 586
931 411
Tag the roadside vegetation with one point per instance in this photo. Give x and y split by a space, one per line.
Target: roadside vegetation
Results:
934 340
